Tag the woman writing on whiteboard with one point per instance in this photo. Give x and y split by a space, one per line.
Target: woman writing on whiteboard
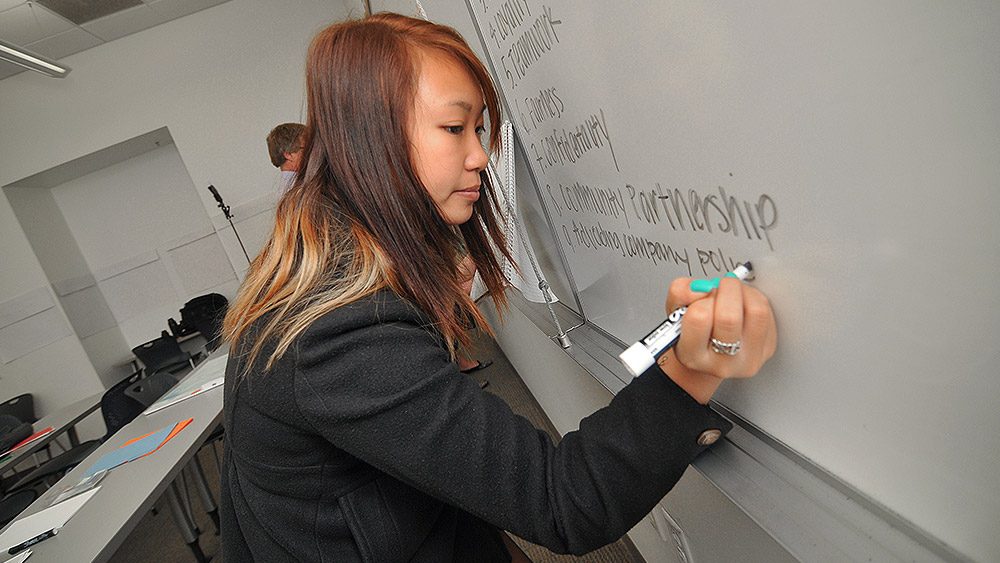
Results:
350 434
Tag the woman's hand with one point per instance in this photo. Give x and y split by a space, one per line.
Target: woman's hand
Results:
727 333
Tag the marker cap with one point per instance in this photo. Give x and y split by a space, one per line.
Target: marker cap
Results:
637 359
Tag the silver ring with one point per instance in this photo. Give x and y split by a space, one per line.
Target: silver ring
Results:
726 348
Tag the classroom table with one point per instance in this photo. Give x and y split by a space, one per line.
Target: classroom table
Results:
62 421
130 490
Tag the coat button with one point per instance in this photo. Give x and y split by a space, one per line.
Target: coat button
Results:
709 437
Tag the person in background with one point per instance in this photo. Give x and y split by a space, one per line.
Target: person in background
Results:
284 146
350 433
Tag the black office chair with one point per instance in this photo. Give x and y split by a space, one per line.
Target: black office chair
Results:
14 504
149 389
203 314
12 431
163 354
22 407
117 408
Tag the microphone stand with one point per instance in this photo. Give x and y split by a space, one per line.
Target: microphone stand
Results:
229 217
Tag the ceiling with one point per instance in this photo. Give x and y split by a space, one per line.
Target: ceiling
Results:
59 28
108 156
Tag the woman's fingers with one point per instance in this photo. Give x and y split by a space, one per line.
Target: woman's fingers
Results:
759 328
696 330
680 294
727 325
728 332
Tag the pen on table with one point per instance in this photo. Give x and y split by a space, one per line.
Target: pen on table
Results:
644 353
25 545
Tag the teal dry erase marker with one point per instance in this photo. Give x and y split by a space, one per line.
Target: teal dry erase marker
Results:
639 356
704 286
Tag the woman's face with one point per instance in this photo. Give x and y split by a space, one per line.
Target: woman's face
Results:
445 136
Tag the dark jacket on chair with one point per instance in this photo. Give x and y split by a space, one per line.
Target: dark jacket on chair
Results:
365 443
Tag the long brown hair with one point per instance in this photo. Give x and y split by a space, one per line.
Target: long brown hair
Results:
358 219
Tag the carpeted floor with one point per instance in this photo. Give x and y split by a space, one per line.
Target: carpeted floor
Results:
155 539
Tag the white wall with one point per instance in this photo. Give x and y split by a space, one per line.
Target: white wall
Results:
58 372
144 204
46 228
21 271
219 80
70 276
101 222
139 203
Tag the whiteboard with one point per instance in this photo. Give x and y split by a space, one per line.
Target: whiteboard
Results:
851 151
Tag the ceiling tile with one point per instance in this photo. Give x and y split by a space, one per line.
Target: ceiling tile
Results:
178 8
65 44
8 4
124 23
8 69
28 23
82 11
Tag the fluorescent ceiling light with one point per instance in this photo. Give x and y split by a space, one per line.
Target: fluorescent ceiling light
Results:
31 61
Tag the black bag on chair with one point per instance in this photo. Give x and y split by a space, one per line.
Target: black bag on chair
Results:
203 314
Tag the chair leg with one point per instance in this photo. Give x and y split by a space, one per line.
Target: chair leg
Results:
185 499
215 453
207 500
57 442
184 525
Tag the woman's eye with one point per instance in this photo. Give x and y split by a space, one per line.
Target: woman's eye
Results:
480 130
454 129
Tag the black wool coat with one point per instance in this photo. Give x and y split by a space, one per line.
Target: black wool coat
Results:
365 443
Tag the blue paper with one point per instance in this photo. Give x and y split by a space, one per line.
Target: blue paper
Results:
125 454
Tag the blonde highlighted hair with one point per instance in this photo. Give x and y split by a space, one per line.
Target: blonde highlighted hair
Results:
357 218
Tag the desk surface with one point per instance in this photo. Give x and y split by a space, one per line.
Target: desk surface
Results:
128 491
61 421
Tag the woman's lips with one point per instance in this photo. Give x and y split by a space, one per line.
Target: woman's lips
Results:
469 193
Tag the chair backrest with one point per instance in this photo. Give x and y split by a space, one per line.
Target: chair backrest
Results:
22 407
205 313
14 504
118 408
12 431
148 389
160 352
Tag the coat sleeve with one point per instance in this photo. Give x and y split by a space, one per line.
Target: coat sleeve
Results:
387 394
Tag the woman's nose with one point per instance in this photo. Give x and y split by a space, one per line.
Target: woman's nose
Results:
477 158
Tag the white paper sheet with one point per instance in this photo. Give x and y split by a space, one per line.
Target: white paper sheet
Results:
51 518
